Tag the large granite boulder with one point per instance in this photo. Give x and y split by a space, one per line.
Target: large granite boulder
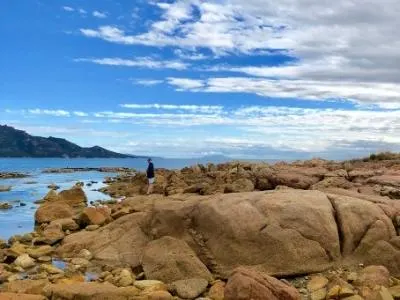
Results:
286 232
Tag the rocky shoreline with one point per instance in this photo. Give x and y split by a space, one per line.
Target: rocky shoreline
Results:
12 175
101 169
306 230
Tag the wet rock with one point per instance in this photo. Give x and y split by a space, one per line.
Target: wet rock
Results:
50 269
53 186
5 188
5 206
190 288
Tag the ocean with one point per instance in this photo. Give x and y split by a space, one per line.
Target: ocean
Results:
20 219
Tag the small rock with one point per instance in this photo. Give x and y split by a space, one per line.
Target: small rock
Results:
92 227
145 284
44 259
53 186
5 188
25 261
372 276
80 262
3 244
190 288
384 294
351 277
316 283
5 206
14 277
66 224
50 269
40 251
319 294
38 276
86 254
217 291
395 291
159 295
125 278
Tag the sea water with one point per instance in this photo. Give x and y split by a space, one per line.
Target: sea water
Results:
20 219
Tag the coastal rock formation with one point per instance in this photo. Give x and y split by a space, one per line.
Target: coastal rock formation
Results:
9 175
284 232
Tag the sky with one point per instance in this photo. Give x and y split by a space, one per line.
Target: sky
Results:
287 79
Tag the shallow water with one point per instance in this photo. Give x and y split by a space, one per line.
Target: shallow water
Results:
20 219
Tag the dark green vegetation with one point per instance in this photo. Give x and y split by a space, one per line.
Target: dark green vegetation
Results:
18 143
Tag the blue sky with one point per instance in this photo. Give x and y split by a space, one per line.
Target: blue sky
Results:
283 79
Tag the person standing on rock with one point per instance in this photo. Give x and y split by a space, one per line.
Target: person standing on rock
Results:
150 176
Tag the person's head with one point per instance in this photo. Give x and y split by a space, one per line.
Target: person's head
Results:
149 160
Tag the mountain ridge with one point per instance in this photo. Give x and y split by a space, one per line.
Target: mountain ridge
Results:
18 143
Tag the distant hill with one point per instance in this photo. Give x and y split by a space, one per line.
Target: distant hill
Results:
18 143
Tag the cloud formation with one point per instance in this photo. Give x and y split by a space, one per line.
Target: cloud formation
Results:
338 50
140 62
303 131
99 14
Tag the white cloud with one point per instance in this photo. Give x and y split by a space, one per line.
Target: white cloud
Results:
183 84
68 8
248 130
189 55
140 62
384 95
54 113
82 11
147 82
80 114
179 107
99 14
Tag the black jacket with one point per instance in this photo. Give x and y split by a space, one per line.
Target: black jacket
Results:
150 170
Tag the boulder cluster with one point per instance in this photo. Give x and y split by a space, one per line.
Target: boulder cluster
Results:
307 230
373 178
